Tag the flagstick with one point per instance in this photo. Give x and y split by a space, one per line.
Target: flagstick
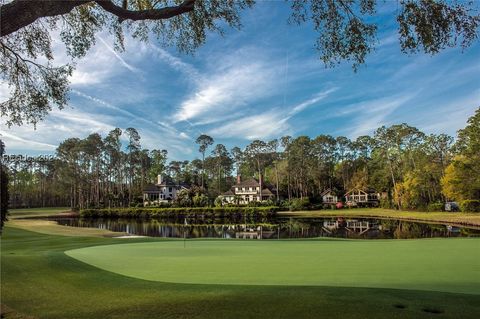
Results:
184 237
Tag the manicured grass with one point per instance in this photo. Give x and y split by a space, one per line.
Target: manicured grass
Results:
441 217
36 212
40 280
51 227
401 264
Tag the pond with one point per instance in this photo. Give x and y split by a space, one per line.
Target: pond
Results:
276 228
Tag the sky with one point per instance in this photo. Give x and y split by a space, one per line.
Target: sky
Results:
261 82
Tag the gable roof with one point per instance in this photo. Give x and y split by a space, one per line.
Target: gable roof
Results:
266 191
251 182
228 193
325 192
365 191
150 188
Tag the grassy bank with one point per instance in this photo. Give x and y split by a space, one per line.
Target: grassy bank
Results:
36 212
472 219
40 280
52 228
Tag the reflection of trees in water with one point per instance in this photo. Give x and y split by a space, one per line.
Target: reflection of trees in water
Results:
405 230
271 227
295 228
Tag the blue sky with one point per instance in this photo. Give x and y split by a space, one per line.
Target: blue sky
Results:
261 82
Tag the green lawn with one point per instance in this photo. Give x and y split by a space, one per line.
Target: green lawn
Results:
401 264
40 280
36 212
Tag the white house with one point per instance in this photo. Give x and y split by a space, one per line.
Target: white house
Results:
356 196
329 197
163 192
246 191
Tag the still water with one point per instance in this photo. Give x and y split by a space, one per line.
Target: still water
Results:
276 228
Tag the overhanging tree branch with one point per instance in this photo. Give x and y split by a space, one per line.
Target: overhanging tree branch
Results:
151 14
20 13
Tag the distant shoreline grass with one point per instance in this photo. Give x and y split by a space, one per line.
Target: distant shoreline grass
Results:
36 212
458 218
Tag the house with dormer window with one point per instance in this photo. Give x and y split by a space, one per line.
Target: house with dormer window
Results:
247 191
164 191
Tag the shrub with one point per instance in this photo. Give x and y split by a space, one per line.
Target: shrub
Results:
470 205
218 201
148 212
200 200
435 207
299 203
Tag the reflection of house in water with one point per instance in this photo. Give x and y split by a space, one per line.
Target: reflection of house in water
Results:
254 233
357 226
453 229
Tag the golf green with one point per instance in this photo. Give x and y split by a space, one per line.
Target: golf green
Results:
448 265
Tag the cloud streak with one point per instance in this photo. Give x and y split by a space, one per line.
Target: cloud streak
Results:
273 123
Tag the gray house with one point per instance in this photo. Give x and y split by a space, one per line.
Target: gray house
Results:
164 191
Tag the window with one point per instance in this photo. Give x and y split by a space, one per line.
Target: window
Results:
169 189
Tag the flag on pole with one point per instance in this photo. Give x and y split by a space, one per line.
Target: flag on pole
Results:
184 237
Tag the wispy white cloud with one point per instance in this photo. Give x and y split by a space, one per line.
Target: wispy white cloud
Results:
167 130
370 115
312 101
272 123
229 88
119 58
15 142
58 126
176 63
260 126
450 116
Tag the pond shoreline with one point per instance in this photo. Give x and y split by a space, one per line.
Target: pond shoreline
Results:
454 219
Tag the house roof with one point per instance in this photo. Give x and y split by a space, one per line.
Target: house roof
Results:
167 181
228 193
156 187
366 191
150 188
325 192
266 191
251 182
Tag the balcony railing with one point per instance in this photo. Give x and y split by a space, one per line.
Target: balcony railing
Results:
242 192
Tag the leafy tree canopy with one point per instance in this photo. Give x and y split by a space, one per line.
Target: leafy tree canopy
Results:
346 32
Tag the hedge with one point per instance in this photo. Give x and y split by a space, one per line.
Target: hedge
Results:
140 212
470 205
436 207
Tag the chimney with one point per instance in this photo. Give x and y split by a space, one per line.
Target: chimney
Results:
159 179
239 179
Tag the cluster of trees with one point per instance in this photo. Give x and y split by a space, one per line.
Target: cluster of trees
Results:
3 188
413 169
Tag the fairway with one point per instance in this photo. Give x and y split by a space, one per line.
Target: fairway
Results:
448 265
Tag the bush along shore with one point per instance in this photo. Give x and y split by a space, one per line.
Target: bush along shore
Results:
140 212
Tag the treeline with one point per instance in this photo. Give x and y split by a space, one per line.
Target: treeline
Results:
413 169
